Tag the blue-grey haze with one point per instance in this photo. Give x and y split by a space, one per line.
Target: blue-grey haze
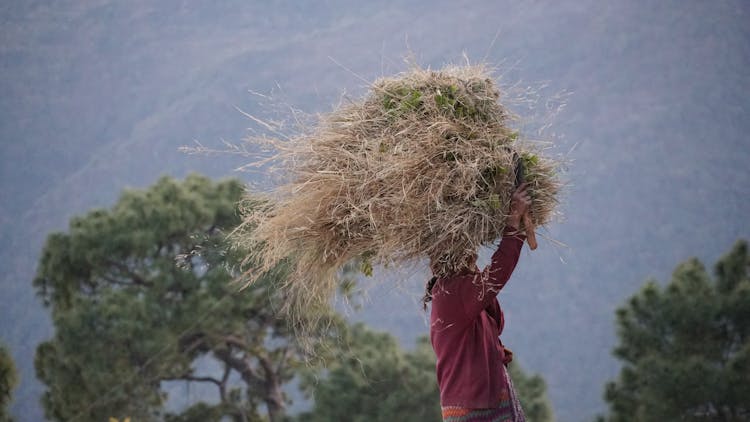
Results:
98 95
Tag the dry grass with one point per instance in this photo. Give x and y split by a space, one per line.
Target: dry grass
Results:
422 166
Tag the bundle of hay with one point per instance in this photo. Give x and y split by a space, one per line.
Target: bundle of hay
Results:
421 167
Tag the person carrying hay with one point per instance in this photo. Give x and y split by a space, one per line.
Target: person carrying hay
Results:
426 164
465 326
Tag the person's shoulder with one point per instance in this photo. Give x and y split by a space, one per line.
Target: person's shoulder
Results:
452 285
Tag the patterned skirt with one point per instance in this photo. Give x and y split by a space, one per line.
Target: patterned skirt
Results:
508 409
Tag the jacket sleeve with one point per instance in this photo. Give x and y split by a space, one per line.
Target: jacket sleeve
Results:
479 291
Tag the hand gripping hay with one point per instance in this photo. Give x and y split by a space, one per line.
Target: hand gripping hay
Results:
422 166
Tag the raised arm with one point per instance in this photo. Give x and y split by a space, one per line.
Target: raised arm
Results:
478 293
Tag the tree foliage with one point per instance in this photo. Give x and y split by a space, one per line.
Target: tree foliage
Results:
686 347
373 379
8 381
532 392
141 293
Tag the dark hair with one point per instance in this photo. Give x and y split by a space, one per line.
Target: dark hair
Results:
428 292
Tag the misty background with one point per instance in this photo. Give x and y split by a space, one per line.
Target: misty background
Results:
97 96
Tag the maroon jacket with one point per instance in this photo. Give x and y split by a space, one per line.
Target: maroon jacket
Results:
465 325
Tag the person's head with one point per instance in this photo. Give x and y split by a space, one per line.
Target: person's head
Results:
469 263
445 266
428 292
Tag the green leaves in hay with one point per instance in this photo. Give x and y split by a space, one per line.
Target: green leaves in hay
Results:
492 202
365 263
449 100
402 100
530 164
446 98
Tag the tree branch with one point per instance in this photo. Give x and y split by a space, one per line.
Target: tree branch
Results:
116 282
273 395
137 278
192 342
247 372
267 366
285 352
192 378
235 341
224 379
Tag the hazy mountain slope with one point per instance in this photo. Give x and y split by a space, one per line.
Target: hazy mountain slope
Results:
96 96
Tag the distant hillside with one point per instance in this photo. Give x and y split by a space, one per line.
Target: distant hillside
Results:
98 95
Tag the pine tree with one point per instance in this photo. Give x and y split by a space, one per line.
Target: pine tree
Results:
8 381
686 347
141 298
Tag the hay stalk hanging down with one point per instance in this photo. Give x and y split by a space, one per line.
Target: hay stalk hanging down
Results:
421 167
